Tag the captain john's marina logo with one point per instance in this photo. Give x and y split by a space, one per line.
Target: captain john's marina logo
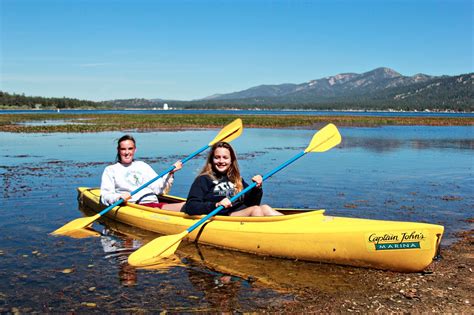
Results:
396 240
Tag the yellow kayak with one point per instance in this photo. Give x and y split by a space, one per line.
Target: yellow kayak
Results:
305 235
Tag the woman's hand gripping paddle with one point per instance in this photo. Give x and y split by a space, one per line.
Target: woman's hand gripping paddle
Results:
228 133
164 246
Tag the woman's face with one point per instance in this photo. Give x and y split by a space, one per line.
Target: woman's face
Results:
126 151
222 160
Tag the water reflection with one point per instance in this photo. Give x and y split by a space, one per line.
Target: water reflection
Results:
372 144
460 144
208 283
209 268
117 247
220 291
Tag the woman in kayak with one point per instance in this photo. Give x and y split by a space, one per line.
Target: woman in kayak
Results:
218 181
127 175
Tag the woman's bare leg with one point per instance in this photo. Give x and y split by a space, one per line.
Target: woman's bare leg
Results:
253 211
269 211
256 211
173 206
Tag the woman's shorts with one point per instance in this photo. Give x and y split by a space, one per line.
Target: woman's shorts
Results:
154 204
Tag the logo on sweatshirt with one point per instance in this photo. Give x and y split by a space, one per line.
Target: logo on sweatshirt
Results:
134 178
224 189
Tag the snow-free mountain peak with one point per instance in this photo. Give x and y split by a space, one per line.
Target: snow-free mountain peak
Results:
342 84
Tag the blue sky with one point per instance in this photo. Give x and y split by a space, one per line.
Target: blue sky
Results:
115 49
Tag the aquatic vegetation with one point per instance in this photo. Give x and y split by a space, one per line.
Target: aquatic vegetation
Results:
147 122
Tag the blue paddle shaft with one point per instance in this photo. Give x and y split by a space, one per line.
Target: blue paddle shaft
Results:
249 187
118 202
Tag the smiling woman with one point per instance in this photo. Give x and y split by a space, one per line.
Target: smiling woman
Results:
126 175
219 181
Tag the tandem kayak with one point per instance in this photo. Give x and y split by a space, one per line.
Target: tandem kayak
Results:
308 235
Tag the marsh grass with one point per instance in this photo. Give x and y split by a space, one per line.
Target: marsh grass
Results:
149 122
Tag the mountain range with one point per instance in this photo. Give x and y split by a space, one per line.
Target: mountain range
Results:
343 84
381 88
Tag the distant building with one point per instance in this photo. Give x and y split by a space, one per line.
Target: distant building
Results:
165 106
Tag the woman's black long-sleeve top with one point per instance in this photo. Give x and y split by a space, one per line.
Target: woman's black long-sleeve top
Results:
206 192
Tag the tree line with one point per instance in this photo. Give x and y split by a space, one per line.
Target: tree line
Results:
38 102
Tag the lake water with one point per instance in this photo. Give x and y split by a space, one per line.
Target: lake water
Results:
408 173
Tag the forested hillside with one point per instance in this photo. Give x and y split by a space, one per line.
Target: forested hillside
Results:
37 102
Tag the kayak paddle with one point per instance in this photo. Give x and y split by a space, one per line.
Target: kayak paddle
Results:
228 133
148 255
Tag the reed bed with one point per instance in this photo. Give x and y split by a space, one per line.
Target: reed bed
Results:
32 123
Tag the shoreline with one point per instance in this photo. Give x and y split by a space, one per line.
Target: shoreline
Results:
392 111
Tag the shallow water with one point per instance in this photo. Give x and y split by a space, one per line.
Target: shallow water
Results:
396 173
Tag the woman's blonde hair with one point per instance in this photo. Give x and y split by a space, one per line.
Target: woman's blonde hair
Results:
233 172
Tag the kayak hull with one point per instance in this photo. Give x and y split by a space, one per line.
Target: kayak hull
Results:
307 235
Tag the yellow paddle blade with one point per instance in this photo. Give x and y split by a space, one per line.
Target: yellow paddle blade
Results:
325 139
82 233
153 252
229 132
75 225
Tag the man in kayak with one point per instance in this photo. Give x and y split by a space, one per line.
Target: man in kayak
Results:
127 175
218 181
